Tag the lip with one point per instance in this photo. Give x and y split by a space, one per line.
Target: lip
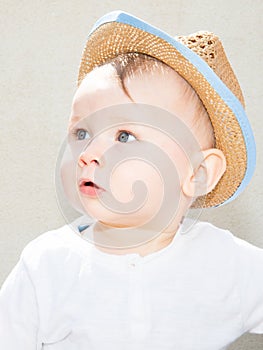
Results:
90 188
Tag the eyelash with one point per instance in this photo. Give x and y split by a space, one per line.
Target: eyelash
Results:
75 131
127 131
119 131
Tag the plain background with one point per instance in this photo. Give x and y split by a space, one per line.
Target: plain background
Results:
41 47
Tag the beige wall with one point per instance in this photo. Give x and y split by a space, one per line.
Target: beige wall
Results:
40 52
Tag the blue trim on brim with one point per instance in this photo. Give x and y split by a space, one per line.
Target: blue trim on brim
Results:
223 91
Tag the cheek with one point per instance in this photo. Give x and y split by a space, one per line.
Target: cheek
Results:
68 166
183 167
124 177
181 163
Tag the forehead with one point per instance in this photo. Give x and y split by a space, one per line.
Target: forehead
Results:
98 90
102 88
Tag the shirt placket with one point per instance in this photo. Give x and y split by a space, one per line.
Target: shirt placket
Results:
138 315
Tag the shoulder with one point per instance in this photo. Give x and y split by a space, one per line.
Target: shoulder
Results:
225 258
219 245
223 237
54 249
207 234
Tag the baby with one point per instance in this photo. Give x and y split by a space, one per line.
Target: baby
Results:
154 130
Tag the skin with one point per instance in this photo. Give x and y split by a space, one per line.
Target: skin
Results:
197 169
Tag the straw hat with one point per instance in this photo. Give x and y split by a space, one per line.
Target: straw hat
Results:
200 59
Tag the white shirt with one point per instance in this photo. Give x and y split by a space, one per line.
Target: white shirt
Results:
200 292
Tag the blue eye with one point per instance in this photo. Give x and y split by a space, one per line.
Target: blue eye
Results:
81 134
125 136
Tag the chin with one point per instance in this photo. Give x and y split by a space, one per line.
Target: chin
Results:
114 219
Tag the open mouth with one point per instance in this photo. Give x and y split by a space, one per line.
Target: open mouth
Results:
89 183
89 188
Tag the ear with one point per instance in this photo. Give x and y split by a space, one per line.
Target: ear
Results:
206 175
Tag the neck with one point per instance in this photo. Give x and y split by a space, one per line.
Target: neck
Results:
120 241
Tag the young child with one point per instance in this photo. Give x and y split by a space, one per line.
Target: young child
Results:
157 126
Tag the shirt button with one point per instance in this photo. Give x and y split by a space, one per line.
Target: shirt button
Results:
132 265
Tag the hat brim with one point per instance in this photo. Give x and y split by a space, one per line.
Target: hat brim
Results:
119 32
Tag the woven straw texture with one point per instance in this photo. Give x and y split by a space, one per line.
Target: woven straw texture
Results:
111 39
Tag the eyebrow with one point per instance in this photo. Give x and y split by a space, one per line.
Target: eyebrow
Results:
75 118
116 118
123 120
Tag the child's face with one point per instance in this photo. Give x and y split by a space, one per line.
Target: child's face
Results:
119 141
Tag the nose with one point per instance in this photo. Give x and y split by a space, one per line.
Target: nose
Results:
91 155
84 160
88 157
